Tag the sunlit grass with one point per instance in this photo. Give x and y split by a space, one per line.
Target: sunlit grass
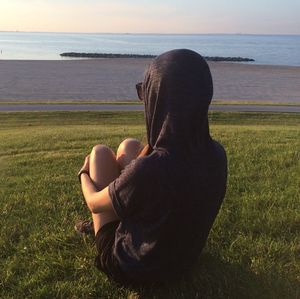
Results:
252 252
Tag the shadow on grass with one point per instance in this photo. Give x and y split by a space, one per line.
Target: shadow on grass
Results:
216 278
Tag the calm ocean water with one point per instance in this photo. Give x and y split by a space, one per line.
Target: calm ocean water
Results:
265 49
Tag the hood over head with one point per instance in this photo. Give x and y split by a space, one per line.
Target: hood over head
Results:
177 90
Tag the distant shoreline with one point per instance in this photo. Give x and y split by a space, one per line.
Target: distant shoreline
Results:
116 55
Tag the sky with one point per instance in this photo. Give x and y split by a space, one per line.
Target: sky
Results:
152 16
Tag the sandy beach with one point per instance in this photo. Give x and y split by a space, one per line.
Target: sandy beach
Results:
115 79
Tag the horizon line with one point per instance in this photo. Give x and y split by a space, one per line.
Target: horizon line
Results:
145 33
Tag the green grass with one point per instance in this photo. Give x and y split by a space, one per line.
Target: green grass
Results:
252 252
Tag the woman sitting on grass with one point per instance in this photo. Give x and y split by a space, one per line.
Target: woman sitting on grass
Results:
153 209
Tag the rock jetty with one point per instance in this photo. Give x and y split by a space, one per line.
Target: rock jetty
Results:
104 55
111 55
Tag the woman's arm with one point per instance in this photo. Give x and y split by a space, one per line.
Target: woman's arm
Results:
145 151
100 201
97 201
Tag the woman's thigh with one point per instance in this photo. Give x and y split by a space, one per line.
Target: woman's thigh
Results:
105 167
128 150
103 170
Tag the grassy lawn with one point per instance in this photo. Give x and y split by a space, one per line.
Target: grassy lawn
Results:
252 252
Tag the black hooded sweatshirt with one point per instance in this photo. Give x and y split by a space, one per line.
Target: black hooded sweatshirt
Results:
167 201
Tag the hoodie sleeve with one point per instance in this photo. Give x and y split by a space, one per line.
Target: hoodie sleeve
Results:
127 191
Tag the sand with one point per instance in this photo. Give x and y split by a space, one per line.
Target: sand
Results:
110 107
115 79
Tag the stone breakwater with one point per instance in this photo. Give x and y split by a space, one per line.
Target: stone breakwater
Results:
111 55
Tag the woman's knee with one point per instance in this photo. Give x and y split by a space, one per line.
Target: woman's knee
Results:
130 146
102 151
128 150
103 166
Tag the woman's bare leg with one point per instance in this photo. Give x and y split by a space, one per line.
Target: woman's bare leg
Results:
105 167
103 170
128 150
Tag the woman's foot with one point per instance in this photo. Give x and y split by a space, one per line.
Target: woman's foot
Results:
84 227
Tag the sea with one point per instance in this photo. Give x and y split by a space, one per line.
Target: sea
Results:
264 49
